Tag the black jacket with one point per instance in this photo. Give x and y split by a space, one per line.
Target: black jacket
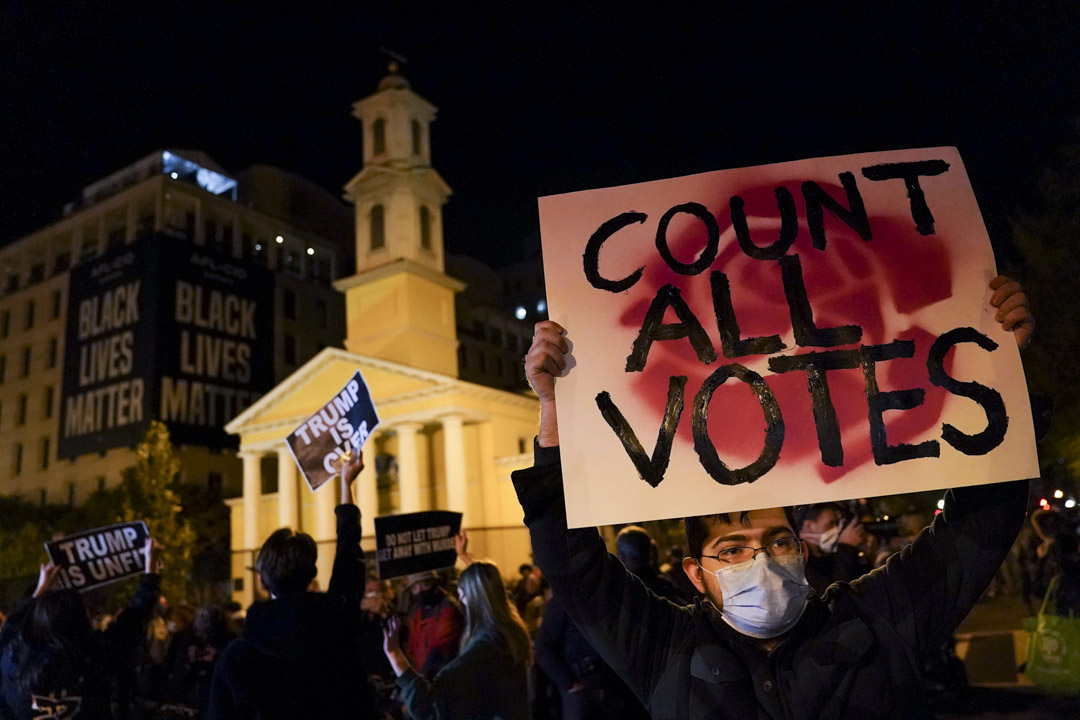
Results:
108 656
480 683
298 656
854 654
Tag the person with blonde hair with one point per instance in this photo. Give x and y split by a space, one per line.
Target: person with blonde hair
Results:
495 655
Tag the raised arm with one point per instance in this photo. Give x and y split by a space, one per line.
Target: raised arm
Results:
348 575
930 586
632 629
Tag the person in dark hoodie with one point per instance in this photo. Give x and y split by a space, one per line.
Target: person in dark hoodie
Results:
54 665
298 656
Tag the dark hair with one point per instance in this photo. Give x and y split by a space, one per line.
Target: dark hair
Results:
287 562
634 545
697 528
813 512
51 647
525 568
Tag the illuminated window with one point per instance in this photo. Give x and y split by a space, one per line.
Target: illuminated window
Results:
378 227
416 137
425 227
378 136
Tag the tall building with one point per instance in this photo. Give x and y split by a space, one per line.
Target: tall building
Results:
443 442
169 289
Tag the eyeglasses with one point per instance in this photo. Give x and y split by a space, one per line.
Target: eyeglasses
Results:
780 547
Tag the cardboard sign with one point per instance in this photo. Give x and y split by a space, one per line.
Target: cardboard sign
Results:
791 333
98 557
415 542
343 423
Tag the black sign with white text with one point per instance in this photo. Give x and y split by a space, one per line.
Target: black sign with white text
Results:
163 329
343 423
98 557
415 542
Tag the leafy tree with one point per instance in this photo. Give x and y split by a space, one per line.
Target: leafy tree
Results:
147 492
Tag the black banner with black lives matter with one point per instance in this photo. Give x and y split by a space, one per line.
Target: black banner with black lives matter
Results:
101 556
415 542
163 328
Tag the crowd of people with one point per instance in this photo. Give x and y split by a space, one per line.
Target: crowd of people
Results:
769 613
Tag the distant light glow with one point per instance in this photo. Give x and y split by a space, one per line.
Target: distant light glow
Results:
541 306
258 247
520 312
941 504
1044 502
174 176
886 517
311 251
1058 494
1070 503
279 239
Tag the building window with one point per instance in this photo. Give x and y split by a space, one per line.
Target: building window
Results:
378 227
521 446
425 227
289 303
26 358
322 313
416 137
378 136
54 350
5 324
63 262
20 411
89 248
30 309
290 349
214 483
37 273
3 367
16 466
56 301
46 409
46 450
462 356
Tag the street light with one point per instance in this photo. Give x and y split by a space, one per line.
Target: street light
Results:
1058 494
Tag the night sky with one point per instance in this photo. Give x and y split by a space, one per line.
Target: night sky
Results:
532 100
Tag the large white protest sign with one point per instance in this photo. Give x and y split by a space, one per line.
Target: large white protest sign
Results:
790 333
343 424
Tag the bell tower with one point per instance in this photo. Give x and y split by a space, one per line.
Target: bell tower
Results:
400 303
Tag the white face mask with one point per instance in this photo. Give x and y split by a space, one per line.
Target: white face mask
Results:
827 540
764 597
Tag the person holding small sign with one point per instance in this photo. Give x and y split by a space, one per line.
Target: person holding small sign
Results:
54 665
760 644
299 655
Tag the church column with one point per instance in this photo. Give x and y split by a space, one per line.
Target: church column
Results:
367 490
454 453
288 500
408 468
252 497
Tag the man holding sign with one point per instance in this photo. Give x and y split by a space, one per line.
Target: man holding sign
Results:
763 645
892 270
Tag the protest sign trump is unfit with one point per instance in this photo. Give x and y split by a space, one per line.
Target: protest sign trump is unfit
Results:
790 333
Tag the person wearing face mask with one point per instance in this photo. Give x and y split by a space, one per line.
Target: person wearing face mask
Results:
433 626
760 643
834 543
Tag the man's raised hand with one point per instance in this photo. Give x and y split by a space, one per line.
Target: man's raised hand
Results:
1012 309
545 361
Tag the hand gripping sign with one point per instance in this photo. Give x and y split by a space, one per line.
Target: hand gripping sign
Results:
790 333
342 425
98 557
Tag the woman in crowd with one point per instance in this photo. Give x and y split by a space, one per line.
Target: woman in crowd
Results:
495 656
53 664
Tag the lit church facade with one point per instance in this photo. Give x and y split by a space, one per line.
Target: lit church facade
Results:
443 443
